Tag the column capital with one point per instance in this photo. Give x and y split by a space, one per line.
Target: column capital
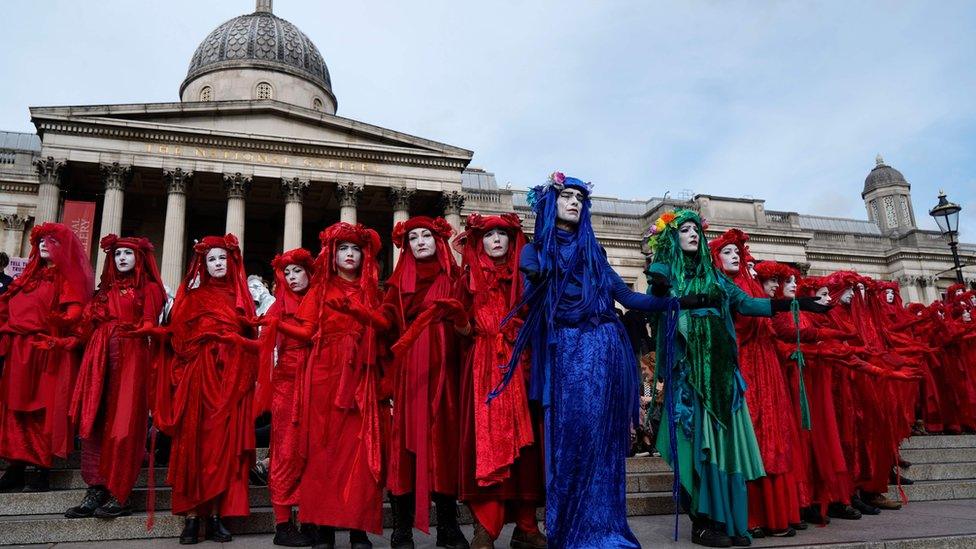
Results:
237 185
400 198
177 180
452 202
348 194
15 221
295 188
115 175
49 170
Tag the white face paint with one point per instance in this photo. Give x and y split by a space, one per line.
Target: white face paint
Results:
569 204
44 247
789 287
860 289
495 242
752 269
889 295
967 316
688 237
422 243
296 277
823 295
972 300
729 254
770 286
847 296
125 259
959 292
349 257
217 262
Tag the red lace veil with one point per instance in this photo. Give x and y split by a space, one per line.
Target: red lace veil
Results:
284 295
404 276
66 254
476 263
197 276
743 278
369 243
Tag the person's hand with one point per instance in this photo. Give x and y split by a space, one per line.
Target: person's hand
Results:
660 285
47 343
453 311
253 321
148 331
341 304
813 305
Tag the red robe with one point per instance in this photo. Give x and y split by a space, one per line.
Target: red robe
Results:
959 372
111 397
35 384
424 438
341 420
774 500
286 452
501 458
826 477
204 398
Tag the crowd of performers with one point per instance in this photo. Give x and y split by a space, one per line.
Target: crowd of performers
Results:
506 382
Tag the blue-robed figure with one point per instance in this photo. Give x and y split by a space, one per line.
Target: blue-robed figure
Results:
583 370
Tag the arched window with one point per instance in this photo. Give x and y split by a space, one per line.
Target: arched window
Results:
317 104
264 91
206 93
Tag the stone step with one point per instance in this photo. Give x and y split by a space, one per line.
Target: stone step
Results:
647 464
937 490
74 460
939 455
939 441
54 528
941 471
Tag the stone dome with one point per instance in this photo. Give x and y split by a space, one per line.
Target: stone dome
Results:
883 175
263 41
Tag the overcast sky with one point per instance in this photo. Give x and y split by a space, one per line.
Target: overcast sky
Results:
785 101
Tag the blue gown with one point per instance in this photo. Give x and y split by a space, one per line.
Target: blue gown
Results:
589 391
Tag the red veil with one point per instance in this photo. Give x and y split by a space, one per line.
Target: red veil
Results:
743 279
476 262
67 254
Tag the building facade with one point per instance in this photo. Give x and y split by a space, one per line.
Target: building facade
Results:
255 147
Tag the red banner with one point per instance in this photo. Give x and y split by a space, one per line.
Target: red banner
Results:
80 218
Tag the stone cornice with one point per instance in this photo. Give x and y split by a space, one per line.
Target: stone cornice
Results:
127 117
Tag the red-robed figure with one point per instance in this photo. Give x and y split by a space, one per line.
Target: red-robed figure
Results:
279 388
423 449
110 406
41 307
337 408
205 389
501 460
774 500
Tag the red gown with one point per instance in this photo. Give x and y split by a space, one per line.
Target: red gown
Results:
286 452
111 398
500 455
342 485
424 438
204 402
36 384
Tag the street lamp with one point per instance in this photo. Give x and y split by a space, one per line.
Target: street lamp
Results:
946 215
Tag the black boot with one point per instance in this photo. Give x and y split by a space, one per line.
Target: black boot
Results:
288 535
324 538
39 482
191 531
448 532
704 533
863 507
215 530
403 509
95 497
113 509
13 478
359 540
813 515
842 511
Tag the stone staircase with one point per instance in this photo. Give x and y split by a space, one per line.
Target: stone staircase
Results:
943 467
39 517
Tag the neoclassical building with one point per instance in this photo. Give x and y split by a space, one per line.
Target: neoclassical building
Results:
255 147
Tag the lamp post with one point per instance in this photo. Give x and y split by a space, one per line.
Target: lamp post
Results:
946 215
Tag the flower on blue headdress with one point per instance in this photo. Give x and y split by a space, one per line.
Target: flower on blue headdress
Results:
557 181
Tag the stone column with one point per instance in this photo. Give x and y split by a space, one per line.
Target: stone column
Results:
909 289
348 196
400 200
174 235
294 190
14 225
114 176
931 292
453 202
237 187
49 173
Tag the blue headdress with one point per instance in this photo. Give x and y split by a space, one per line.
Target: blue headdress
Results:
563 256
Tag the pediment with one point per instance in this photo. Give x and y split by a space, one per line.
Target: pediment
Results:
250 120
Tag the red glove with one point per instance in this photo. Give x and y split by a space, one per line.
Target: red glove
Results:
453 311
48 343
